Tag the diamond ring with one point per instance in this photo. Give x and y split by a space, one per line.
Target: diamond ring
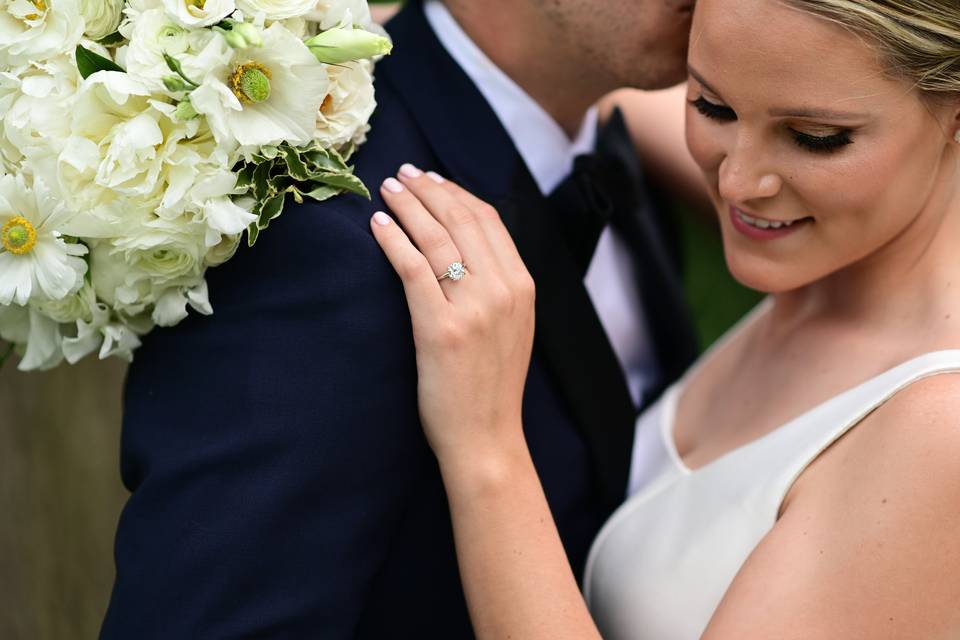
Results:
454 272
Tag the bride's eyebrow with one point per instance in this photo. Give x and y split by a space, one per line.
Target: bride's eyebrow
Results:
696 76
793 112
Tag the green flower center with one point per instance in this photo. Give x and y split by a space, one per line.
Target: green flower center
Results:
251 83
18 236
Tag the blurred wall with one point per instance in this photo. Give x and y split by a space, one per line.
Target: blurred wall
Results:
60 497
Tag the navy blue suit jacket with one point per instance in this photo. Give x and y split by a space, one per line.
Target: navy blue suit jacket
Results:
281 485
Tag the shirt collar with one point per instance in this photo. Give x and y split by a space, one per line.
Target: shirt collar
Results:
541 142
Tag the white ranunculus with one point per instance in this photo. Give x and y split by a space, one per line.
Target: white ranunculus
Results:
34 30
344 115
190 13
275 9
35 260
154 33
69 309
340 13
101 17
264 96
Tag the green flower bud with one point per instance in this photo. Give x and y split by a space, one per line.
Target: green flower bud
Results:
185 111
175 83
234 39
336 46
249 33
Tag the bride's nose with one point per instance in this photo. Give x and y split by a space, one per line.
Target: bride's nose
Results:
746 174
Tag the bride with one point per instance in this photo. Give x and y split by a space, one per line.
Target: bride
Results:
809 478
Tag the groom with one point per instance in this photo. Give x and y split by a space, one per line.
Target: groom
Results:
281 486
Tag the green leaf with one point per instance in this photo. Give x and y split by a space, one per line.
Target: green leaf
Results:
271 210
346 182
294 165
323 192
88 62
112 39
245 176
320 160
261 181
252 233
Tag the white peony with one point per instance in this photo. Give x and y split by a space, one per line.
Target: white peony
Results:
35 107
340 13
34 30
100 17
344 115
275 9
199 13
265 95
34 258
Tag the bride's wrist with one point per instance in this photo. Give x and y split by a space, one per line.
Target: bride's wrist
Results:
488 468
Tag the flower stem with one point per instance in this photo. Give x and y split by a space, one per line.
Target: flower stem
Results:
6 356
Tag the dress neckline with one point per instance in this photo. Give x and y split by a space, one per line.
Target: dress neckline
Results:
671 397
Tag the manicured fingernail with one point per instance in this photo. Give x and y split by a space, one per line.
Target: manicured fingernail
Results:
436 177
381 218
392 185
410 171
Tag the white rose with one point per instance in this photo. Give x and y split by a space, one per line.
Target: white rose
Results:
344 115
340 13
189 13
276 9
34 30
101 17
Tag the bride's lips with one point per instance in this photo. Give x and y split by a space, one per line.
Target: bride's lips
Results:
752 226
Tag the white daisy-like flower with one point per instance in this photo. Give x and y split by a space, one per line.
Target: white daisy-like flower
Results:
34 258
264 95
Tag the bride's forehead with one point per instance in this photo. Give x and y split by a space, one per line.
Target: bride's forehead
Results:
771 42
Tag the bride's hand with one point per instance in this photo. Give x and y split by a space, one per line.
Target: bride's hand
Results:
473 336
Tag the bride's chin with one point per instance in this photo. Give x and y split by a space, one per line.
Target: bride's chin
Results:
765 275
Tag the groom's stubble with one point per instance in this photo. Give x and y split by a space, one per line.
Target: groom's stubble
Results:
567 54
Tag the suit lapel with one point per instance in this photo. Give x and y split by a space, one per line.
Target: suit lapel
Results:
476 151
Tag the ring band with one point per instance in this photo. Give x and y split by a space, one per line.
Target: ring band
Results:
454 272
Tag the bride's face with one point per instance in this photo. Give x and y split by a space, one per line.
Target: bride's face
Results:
816 158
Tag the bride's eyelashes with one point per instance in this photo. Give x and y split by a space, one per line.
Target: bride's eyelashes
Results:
809 142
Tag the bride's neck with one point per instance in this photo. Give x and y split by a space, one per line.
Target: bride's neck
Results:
910 282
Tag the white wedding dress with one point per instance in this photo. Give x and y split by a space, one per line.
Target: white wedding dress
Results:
662 563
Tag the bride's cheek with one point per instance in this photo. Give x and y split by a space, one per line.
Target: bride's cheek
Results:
705 145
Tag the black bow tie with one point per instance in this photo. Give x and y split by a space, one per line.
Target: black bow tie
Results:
604 188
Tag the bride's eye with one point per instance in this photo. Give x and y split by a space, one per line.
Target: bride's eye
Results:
714 111
821 144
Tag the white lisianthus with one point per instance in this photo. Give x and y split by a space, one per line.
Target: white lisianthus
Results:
34 30
199 13
266 95
275 9
340 13
35 260
100 17
345 112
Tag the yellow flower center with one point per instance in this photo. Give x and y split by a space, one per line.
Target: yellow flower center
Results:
327 106
196 7
250 82
18 236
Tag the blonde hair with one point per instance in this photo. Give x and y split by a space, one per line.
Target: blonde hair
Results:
919 39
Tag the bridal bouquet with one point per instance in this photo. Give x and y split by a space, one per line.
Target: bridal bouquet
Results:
139 139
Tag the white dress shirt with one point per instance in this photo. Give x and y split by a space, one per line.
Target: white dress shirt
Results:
549 154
